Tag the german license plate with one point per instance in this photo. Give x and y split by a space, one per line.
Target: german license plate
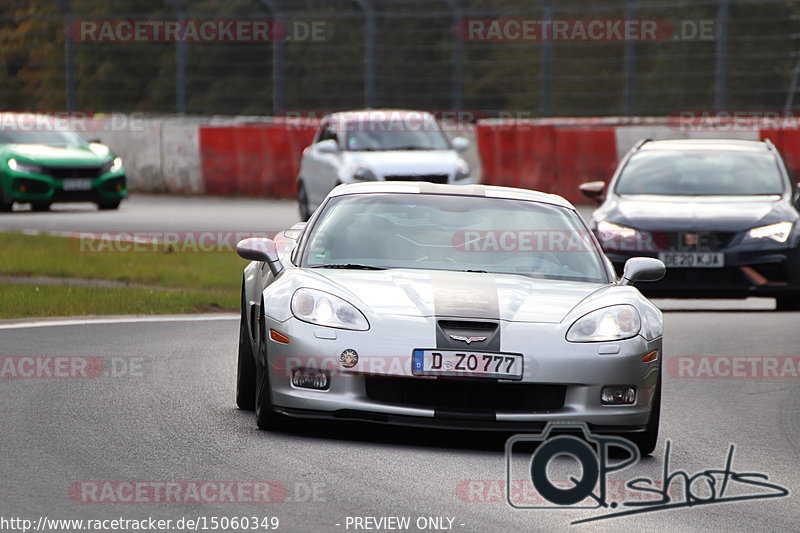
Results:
466 364
80 184
692 259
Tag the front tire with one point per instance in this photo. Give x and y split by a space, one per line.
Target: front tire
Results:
107 205
246 367
646 441
40 206
266 417
6 205
788 303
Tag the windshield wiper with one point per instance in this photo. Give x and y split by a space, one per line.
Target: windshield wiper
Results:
350 266
469 270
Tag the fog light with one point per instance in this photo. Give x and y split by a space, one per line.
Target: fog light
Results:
618 395
23 189
310 378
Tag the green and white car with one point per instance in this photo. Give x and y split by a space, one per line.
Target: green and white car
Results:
42 167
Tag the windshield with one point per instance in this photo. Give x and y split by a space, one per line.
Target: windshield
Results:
701 172
456 233
62 139
394 135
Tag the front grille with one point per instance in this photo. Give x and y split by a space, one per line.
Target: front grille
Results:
433 178
73 172
466 395
692 241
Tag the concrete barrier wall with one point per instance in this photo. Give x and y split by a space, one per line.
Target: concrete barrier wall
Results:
260 156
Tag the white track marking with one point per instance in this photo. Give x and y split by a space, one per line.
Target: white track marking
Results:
120 320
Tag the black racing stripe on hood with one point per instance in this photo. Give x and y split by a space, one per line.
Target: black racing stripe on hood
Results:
464 310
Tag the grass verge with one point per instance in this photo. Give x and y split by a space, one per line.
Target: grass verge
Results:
183 282
24 301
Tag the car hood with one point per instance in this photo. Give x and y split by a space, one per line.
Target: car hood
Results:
399 162
704 213
40 154
458 294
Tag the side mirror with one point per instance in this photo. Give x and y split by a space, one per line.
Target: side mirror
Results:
260 249
328 146
642 269
460 144
593 190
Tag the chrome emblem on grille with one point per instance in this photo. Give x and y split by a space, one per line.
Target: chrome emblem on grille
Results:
467 339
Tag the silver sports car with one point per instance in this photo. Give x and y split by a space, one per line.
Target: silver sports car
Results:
470 307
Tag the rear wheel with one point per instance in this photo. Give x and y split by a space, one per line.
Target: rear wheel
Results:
788 303
108 204
302 202
40 206
246 367
266 417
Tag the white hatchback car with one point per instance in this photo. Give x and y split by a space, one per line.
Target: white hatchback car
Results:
378 145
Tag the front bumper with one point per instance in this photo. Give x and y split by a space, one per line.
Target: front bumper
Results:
767 272
39 188
561 381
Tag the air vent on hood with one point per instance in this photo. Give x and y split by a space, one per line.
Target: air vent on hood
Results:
433 178
467 325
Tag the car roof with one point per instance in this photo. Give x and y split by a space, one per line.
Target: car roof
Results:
377 114
740 145
486 191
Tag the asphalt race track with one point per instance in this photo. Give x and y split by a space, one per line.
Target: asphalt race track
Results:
150 404
158 213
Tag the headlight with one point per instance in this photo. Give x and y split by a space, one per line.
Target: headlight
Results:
318 307
777 232
608 324
607 228
615 237
29 168
112 166
462 170
364 174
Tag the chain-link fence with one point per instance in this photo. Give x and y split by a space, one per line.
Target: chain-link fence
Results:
528 58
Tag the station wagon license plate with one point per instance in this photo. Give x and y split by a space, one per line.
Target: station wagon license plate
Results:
464 363
692 259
